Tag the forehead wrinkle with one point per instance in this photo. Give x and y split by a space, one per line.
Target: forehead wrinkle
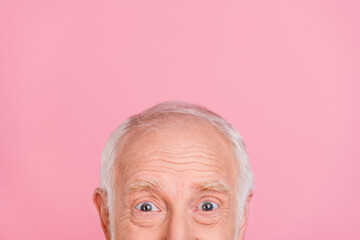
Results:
156 157
160 165
166 155
186 156
182 170
174 152
188 161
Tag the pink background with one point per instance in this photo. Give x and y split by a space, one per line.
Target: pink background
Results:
285 73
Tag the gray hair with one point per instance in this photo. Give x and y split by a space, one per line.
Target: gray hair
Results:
173 109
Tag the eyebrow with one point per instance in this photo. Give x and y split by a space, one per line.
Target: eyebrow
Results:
154 184
213 185
144 184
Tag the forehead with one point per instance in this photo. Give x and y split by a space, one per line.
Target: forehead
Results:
184 147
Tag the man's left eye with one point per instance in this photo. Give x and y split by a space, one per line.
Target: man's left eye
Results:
147 207
207 206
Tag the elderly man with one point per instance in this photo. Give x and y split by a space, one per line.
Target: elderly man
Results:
174 171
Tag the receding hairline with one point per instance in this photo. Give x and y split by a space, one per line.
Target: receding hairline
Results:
167 119
171 120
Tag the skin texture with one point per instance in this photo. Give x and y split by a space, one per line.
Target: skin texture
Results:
175 168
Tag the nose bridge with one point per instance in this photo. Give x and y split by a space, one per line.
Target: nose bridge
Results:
178 225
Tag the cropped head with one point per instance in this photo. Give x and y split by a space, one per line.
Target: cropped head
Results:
174 171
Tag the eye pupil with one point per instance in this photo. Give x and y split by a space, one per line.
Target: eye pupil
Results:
146 207
207 206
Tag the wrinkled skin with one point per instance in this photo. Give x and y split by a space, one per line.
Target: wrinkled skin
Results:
179 157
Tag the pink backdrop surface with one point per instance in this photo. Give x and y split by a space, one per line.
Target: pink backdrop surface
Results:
285 73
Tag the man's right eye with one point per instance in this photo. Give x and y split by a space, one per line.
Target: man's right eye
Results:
147 207
207 206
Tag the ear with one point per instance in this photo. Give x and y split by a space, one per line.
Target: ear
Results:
100 201
244 218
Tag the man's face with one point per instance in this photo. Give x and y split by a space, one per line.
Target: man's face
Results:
177 182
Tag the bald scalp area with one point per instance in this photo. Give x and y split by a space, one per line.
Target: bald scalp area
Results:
179 140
